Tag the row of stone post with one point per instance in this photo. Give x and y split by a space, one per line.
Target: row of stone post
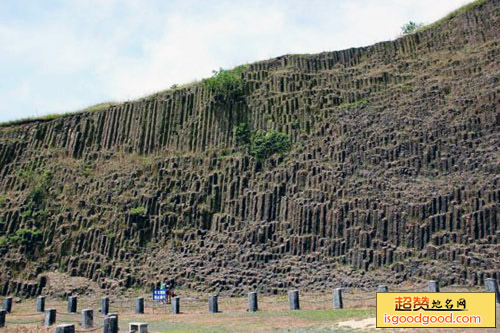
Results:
110 324
112 319
293 298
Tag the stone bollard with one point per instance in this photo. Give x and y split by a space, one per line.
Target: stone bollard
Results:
175 305
492 287
105 305
72 304
50 317
433 286
66 328
111 323
87 318
2 318
139 305
293 299
138 327
252 302
337 298
40 304
382 288
213 307
7 304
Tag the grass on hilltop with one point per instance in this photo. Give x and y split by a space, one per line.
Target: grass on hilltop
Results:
465 8
90 109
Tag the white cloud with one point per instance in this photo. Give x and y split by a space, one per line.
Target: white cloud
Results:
84 52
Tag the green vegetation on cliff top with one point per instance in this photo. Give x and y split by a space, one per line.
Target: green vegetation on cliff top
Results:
90 109
465 8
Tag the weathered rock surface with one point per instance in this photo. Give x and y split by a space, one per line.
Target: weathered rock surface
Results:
393 175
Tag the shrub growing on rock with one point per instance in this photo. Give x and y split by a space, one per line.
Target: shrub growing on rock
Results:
225 84
265 144
138 211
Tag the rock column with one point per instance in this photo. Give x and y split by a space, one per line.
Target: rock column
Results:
293 299
252 302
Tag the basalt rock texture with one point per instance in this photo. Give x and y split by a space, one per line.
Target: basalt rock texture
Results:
393 175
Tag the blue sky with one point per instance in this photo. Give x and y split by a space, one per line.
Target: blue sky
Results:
59 56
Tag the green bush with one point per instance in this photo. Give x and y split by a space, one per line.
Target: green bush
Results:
138 211
266 144
243 134
25 236
410 27
226 85
41 188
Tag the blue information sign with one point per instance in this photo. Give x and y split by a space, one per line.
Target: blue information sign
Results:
159 294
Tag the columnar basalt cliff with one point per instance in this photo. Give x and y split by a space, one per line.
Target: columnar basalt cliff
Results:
393 175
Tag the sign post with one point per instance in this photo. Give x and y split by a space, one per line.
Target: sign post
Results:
159 295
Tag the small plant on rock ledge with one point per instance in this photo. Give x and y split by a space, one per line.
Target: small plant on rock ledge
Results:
410 27
138 211
265 144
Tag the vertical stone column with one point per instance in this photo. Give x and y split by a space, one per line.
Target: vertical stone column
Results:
213 306
87 318
293 299
492 287
40 304
175 305
66 328
382 288
72 304
7 304
252 302
139 305
50 317
105 305
433 286
337 298
2 318
111 323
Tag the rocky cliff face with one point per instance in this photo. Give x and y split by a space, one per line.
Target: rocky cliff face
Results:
393 175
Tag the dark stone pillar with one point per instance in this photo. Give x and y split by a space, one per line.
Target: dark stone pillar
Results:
66 328
433 286
40 304
382 288
175 305
50 317
139 305
72 304
111 323
293 299
2 318
252 302
213 307
337 298
87 318
7 304
105 305
492 287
